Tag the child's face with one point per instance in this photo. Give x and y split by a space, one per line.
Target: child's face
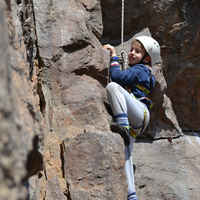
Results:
136 53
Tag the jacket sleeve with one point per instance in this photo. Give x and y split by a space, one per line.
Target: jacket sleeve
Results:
119 76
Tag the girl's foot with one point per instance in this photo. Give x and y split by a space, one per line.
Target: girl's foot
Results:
116 127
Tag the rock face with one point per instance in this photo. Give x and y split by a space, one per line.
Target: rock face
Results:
94 166
21 124
174 172
54 127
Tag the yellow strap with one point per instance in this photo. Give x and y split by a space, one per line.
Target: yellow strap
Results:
145 116
150 102
142 88
129 89
132 133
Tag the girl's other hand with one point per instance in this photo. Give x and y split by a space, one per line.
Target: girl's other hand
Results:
111 48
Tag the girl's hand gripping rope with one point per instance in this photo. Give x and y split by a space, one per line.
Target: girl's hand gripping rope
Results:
111 48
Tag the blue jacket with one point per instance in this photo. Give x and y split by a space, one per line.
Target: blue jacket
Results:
137 74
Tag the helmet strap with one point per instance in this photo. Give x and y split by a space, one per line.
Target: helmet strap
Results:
141 61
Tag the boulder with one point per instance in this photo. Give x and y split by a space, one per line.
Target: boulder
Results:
94 166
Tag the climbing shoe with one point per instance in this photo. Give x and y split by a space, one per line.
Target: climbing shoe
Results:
118 128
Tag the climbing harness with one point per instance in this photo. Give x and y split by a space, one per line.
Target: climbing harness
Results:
131 129
141 98
143 89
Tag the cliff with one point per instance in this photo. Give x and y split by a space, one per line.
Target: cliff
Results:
56 141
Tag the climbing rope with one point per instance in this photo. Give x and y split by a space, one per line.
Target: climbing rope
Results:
123 55
122 28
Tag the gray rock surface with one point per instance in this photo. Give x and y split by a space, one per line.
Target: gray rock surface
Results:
168 170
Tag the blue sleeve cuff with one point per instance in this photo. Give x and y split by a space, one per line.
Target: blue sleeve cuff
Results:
114 58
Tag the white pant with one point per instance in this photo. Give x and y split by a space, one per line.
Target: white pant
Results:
124 103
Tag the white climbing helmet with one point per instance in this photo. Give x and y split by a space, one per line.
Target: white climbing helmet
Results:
151 46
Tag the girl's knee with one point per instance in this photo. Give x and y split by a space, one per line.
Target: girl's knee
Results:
111 87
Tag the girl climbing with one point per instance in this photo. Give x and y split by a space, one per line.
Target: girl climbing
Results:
127 95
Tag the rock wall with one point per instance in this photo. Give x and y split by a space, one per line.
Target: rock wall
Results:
55 137
21 124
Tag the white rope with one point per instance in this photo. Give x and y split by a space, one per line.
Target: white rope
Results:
123 53
122 28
